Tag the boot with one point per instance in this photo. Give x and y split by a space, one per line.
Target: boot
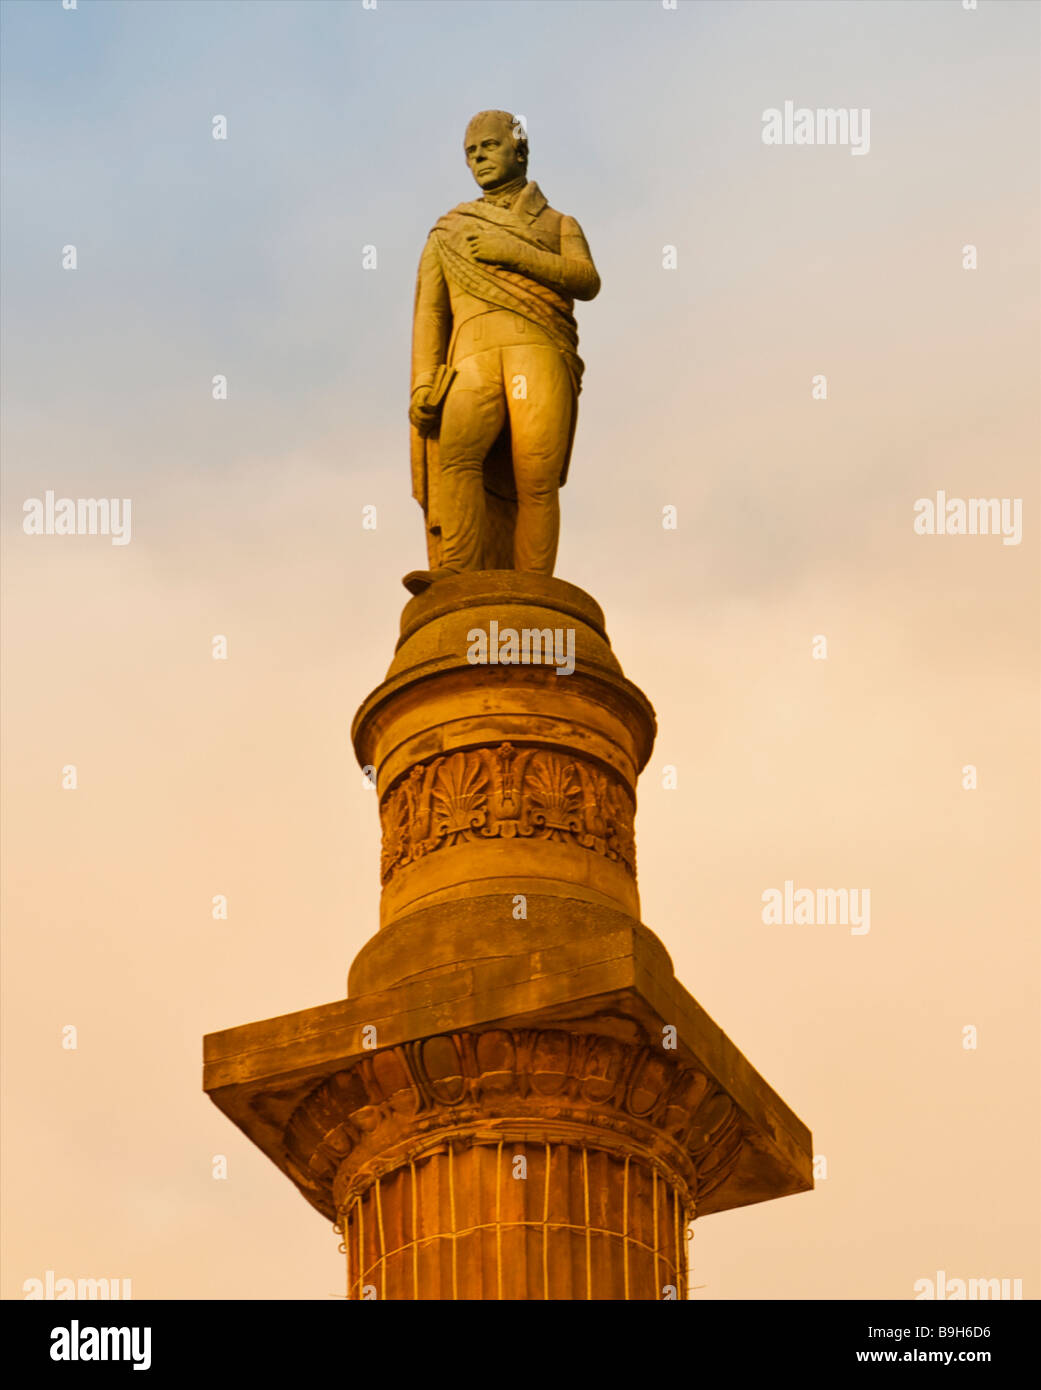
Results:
419 581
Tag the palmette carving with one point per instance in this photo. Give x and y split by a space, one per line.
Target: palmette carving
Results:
460 797
506 792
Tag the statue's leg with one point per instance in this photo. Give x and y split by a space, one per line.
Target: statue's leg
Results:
540 422
473 415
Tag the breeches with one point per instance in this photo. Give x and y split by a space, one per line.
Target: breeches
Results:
531 384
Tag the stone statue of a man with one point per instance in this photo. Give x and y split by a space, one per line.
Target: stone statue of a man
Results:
495 367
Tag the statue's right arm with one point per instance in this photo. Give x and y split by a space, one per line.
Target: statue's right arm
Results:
431 321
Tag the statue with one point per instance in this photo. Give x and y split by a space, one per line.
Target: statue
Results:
495 367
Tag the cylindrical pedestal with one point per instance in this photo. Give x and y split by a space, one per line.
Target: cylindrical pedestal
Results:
505 744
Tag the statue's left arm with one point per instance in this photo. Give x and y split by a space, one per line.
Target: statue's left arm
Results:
572 273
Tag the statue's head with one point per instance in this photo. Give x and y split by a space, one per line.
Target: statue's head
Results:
496 147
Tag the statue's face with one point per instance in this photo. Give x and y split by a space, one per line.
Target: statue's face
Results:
490 152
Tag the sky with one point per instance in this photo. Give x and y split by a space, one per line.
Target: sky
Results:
244 257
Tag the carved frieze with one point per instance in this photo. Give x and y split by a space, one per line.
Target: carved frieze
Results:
506 792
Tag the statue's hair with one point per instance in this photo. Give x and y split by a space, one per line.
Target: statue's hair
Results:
514 125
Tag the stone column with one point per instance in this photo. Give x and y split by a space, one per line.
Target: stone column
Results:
513 1163
516 1163
517 1099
